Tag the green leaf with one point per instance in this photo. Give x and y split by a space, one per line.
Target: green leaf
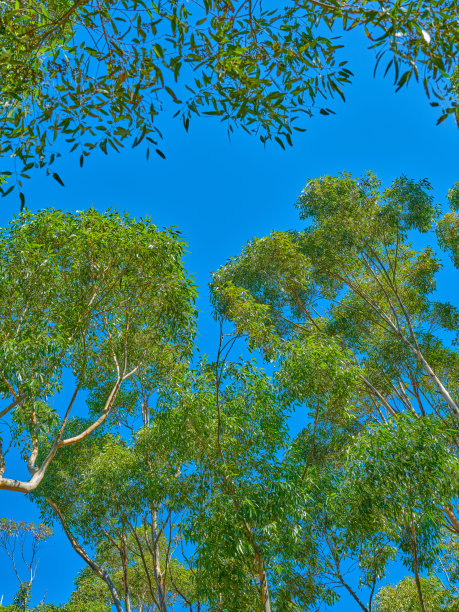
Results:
57 178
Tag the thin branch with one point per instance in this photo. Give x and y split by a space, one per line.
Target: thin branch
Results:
144 563
178 591
80 550
106 411
62 20
17 401
379 395
34 454
339 575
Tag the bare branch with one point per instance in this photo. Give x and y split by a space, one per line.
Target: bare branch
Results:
106 411
17 401
34 454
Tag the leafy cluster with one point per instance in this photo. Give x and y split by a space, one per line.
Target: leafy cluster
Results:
99 73
182 483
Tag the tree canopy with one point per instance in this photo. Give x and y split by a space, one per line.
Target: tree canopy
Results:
175 476
99 73
87 301
345 310
177 479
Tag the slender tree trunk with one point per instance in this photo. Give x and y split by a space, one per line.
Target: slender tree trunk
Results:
414 551
454 522
265 600
159 578
265 592
373 586
440 386
348 588
353 594
145 567
96 568
124 562
231 485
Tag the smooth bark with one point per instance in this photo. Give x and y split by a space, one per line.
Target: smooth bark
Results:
19 486
124 563
263 581
96 568
159 578
414 552
454 522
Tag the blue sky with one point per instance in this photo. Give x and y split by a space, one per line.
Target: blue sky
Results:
221 193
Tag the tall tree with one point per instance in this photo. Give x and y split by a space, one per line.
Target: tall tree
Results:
87 300
243 516
119 492
403 597
346 311
348 303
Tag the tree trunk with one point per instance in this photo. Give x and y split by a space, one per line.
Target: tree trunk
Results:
452 518
159 578
440 386
263 581
96 568
124 562
348 588
414 551
353 594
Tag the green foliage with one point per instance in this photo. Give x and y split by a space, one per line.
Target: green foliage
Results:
248 497
448 229
108 490
98 75
97 295
403 597
11 529
22 597
81 606
320 373
20 540
87 606
358 339
397 478
192 484
253 289
92 594
355 289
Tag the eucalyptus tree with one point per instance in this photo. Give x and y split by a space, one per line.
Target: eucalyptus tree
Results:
440 587
99 74
376 494
86 300
403 597
398 478
346 310
335 556
121 498
90 590
346 306
244 514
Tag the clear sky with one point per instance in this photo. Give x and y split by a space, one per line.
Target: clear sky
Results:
222 193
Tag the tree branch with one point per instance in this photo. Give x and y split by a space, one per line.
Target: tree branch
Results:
80 550
107 408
